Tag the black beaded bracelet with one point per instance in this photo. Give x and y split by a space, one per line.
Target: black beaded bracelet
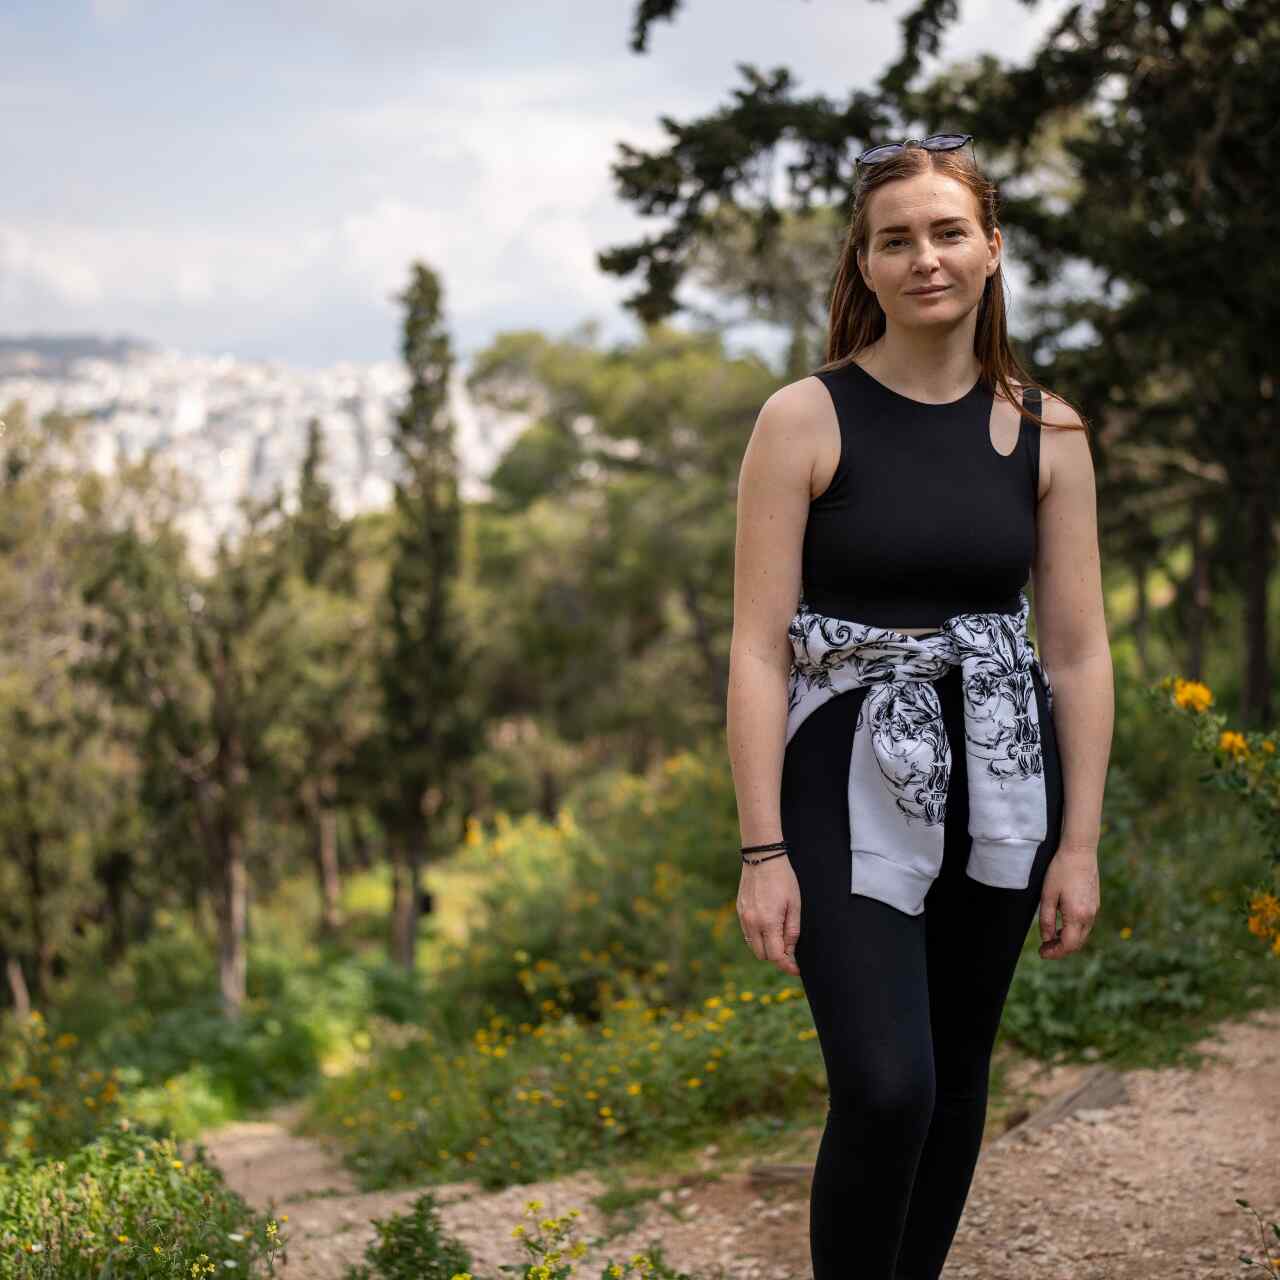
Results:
751 862
760 848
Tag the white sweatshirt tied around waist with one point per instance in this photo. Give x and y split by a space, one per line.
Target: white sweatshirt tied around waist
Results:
900 764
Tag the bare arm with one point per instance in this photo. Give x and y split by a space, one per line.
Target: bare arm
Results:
773 508
1071 628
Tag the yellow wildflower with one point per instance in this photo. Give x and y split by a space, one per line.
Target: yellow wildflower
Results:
1192 694
1264 919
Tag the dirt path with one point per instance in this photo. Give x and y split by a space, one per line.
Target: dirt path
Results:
1142 1190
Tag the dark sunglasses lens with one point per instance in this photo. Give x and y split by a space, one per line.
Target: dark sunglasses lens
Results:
945 141
881 153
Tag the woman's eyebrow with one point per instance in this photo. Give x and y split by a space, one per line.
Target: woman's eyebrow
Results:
953 217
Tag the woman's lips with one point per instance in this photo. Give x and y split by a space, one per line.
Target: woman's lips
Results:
929 293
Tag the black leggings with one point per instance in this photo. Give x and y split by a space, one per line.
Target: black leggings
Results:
906 1007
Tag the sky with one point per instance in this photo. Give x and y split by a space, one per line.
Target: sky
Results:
254 177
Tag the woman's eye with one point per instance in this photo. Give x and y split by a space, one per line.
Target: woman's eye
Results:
890 243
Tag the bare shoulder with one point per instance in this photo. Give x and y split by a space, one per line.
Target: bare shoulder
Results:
1064 445
796 406
794 426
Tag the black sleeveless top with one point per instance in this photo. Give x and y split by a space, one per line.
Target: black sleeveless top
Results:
923 518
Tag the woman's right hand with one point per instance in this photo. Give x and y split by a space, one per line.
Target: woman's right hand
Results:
769 911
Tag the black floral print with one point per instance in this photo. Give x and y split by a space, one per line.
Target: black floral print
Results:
901 761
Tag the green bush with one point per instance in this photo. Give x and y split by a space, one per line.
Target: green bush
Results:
56 1098
519 1102
166 1047
412 1246
124 1204
1169 952
564 912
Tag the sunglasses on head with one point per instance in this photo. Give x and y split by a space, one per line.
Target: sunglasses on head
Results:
934 142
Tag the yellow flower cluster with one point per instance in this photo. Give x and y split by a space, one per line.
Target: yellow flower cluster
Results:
1264 919
553 1250
1191 694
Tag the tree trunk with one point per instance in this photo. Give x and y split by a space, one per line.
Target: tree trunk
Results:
220 823
321 819
198 896
1198 605
798 363
1257 681
17 986
41 945
327 869
232 905
115 874
1141 616
404 903
550 794
363 854
716 669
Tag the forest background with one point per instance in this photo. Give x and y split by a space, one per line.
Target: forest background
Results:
385 809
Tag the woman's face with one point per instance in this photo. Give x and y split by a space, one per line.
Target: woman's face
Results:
924 231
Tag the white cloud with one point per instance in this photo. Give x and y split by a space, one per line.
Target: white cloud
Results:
110 12
47 263
193 282
284 209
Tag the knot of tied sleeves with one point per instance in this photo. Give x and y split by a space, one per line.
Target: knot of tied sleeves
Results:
900 763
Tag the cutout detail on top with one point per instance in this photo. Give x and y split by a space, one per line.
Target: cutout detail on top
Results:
1004 427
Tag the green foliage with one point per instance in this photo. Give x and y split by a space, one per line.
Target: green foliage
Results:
124 1205
319 541
57 767
603 564
428 728
522 1101
1169 951
56 1098
1245 763
604 973
149 1037
563 910
412 1246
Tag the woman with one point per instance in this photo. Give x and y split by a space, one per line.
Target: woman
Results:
914 788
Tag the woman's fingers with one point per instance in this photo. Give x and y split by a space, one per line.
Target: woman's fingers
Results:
790 936
779 939
770 920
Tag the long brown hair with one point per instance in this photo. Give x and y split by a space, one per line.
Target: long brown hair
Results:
856 317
